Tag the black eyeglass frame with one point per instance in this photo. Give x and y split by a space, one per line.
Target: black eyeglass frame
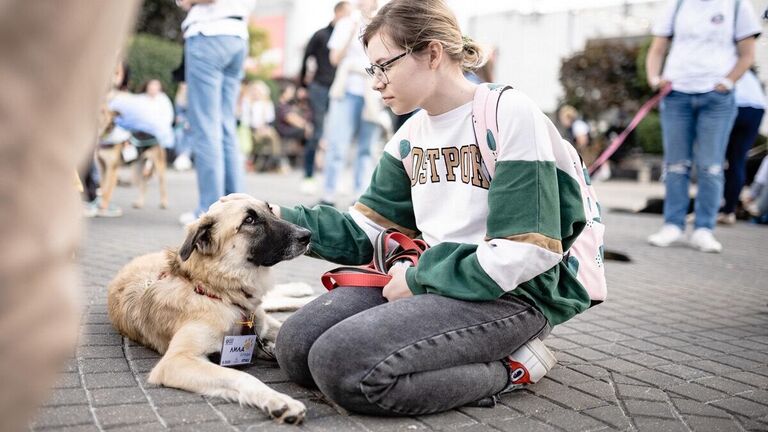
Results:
372 69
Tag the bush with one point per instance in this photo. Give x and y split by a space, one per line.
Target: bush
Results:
648 134
151 57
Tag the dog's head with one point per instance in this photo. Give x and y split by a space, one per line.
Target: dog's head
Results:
241 232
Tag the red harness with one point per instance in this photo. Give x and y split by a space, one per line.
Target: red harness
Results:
390 247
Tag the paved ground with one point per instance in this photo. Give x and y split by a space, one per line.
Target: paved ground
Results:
682 343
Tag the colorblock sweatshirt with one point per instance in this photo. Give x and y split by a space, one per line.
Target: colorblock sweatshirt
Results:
486 238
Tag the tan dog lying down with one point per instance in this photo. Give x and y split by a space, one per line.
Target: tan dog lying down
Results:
182 303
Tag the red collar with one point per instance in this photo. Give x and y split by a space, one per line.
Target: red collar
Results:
199 289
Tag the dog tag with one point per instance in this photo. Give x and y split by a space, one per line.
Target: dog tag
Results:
129 153
237 350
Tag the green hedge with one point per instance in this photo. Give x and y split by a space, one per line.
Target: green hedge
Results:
151 57
648 134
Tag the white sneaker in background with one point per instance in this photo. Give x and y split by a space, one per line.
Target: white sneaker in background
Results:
308 186
187 218
667 235
726 218
182 162
703 240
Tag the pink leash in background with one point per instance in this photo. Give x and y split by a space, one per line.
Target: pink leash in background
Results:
619 140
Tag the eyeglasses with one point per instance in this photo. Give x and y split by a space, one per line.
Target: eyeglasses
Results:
378 71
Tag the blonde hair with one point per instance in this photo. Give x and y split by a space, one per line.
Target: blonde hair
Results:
413 24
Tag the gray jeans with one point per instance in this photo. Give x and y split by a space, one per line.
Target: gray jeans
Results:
418 355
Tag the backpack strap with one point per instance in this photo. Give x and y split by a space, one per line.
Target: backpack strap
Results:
485 123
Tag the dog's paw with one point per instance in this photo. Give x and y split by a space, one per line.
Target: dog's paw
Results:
138 204
285 409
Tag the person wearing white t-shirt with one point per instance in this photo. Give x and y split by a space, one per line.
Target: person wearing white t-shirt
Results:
751 102
711 44
346 114
215 48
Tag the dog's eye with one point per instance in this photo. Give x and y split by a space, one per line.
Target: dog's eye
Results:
249 220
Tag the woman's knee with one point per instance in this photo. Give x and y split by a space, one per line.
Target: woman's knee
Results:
292 350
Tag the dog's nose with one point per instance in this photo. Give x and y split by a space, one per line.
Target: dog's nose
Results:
303 236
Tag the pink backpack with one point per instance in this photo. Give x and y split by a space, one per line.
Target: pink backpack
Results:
585 256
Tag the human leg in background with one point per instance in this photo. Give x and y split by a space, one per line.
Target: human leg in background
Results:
343 120
743 134
237 50
369 135
678 126
68 57
715 120
318 99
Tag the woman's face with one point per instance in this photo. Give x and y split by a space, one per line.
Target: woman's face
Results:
407 80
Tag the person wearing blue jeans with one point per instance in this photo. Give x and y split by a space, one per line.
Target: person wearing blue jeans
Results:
347 93
215 48
751 103
711 44
346 117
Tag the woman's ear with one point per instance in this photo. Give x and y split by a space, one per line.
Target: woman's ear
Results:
436 52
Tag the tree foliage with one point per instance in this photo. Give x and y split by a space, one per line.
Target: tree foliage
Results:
151 57
161 18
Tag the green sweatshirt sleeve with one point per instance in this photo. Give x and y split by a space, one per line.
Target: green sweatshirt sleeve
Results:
335 235
452 270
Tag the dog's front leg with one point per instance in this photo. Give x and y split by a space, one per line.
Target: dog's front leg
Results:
265 325
185 366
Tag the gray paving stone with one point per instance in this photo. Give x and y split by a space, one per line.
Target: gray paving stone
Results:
565 396
709 424
682 371
104 365
448 420
120 415
79 428
67 380
142 427
499 412
658 379
55 417
117 396
144 365
646 360
620 366
759 396
522 424
697 392
750 378
336 423
599 389
611 415
649 408
242 415
640 392
725 385
647 424
109 379
171 396
712 367
571 420
100 339
527 404
698 409
98 329
192 413
386 424
67 396
741 406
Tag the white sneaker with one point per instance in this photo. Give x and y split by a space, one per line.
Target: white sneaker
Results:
182 162
667 235
703 240
308 186
187 218
529 364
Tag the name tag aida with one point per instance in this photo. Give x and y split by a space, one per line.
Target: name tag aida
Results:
237 350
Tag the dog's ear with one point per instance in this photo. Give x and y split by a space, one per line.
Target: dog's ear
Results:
200 238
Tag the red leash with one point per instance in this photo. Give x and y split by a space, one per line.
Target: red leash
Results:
619 140
390 247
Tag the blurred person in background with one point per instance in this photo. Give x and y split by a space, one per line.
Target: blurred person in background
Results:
711 44
71 52
181 147
576 130
347 116
751 103
215 48
318 87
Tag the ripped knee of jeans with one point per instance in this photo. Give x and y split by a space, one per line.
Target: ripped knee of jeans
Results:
679 167
712 170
